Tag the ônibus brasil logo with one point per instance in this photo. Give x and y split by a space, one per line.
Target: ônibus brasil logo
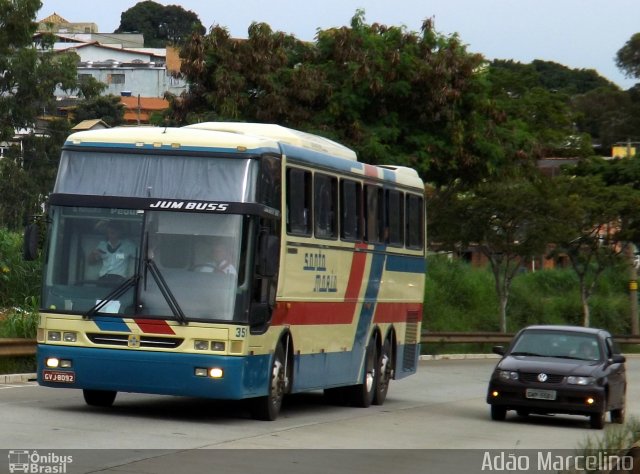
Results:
23 460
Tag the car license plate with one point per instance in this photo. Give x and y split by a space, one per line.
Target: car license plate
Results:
58 376
541 394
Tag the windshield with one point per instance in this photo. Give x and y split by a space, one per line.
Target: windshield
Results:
567 345
134 263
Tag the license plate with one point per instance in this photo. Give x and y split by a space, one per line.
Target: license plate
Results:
541 394
58 376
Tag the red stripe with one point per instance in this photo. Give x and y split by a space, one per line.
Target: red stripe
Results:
313 313
370 170
395 312
154 326
358 261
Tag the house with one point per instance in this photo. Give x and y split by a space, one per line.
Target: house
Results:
118 60
138 110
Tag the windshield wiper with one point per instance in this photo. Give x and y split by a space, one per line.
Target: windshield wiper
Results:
166 291
116 293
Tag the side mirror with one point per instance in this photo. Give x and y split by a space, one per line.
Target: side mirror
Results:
617 359
268 255
498 350
31 242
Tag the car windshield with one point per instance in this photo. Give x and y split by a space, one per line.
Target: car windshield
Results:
561 344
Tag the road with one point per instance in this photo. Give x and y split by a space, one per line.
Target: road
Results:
433 420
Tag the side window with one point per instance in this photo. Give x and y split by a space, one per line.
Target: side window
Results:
373 228
325 206
298 202
394 218
350 210
415 222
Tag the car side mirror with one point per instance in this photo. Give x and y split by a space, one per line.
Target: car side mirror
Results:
617 359
498 350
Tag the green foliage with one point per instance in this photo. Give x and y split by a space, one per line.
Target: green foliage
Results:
107 108
459 297
20 280
628 57
161 25
29 76
20 322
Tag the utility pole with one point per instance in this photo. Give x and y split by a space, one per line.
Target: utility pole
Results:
633 289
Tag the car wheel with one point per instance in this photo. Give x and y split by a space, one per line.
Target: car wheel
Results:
617 416
597 420
498 413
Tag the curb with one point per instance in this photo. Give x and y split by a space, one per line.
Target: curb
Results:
17 378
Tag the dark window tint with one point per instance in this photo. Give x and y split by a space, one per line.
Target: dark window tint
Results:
269 182
415 221
298 202
350 210
325 206
394 222
373 227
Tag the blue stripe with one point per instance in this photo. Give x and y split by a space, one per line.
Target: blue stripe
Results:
166 373
111 324
316 158
405 264
368 308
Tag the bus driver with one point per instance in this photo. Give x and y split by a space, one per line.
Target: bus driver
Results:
115 255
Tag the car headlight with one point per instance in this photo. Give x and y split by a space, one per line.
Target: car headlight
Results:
578 380
507 375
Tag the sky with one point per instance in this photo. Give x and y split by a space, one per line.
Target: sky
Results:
582 34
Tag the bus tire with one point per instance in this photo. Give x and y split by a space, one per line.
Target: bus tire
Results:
362 394
385 370
99 398
267 408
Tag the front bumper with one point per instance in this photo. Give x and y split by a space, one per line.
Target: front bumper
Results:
570 399
165 373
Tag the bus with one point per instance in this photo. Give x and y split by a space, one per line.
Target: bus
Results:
321 289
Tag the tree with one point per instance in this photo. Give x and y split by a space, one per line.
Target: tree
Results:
591 224
628 57
398 97
506 220
160 25
106 108
30 75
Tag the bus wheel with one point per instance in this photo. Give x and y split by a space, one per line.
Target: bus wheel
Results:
362 394
267 408
385 369
99 398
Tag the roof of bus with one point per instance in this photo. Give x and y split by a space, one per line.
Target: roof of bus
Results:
239 137
281 134
171 138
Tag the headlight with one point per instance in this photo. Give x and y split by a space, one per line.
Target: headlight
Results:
576 380
507 375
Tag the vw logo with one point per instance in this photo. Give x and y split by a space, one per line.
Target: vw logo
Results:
542 377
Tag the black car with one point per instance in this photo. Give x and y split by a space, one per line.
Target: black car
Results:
560 369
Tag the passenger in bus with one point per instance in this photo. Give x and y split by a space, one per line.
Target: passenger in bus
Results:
115 254
218 262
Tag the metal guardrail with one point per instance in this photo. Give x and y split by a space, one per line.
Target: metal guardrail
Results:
17 347
27 347
493 337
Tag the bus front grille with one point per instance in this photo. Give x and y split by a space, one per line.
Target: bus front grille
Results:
141 341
